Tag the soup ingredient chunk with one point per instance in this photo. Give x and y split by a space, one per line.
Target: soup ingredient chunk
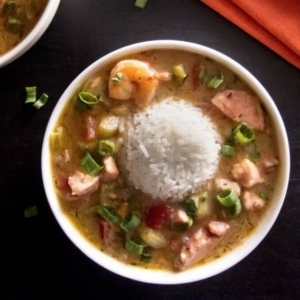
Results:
110 172
241 107
218 228
196 243
134 79
83 184
252 201
247 173
222 184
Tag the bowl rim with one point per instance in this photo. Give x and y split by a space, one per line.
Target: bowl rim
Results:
33 36
195 273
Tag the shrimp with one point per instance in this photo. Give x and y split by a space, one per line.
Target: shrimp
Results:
134 79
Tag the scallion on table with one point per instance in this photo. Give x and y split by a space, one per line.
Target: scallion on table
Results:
140 3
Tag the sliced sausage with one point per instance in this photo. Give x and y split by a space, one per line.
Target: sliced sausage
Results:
241 107
194 245
83 184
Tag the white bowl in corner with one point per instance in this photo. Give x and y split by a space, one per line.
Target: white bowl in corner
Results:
33 36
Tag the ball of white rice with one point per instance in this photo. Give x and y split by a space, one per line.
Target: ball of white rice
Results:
169 150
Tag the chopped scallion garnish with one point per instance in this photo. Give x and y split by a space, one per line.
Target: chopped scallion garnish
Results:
228 197
210 80
14 25
189 206
31 97
140 3
106 148
263 196
130 222
235 209
41 101
244 134
134 246
88 98
231 201
117 78
146 255
30 94
255 154
109 214
182 226
230 139
227 150
84 100
9 7
30 212
90 165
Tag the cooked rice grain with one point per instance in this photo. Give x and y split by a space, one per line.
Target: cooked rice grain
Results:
169 150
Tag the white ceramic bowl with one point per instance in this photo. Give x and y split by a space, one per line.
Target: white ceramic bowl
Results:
33 36
196 273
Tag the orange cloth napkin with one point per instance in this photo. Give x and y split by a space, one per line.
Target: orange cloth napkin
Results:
275 23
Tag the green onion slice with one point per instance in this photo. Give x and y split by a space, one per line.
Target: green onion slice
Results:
14 25
106 148
189 206
235 209
255 154
88 98
117 78
134 246
130 222
230 139
9 7
227 150
30 212
228 197
210 80
30 94
181 227
41 101
109 214
146 255
263 196
93 210
140 3
89 164
244 134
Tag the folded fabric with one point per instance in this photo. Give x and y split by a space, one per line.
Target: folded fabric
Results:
275 23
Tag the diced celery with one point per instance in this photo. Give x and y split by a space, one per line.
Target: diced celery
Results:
205 206
179 74
108 127
153 238
56 139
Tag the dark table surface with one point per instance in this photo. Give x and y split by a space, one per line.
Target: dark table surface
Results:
37 260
